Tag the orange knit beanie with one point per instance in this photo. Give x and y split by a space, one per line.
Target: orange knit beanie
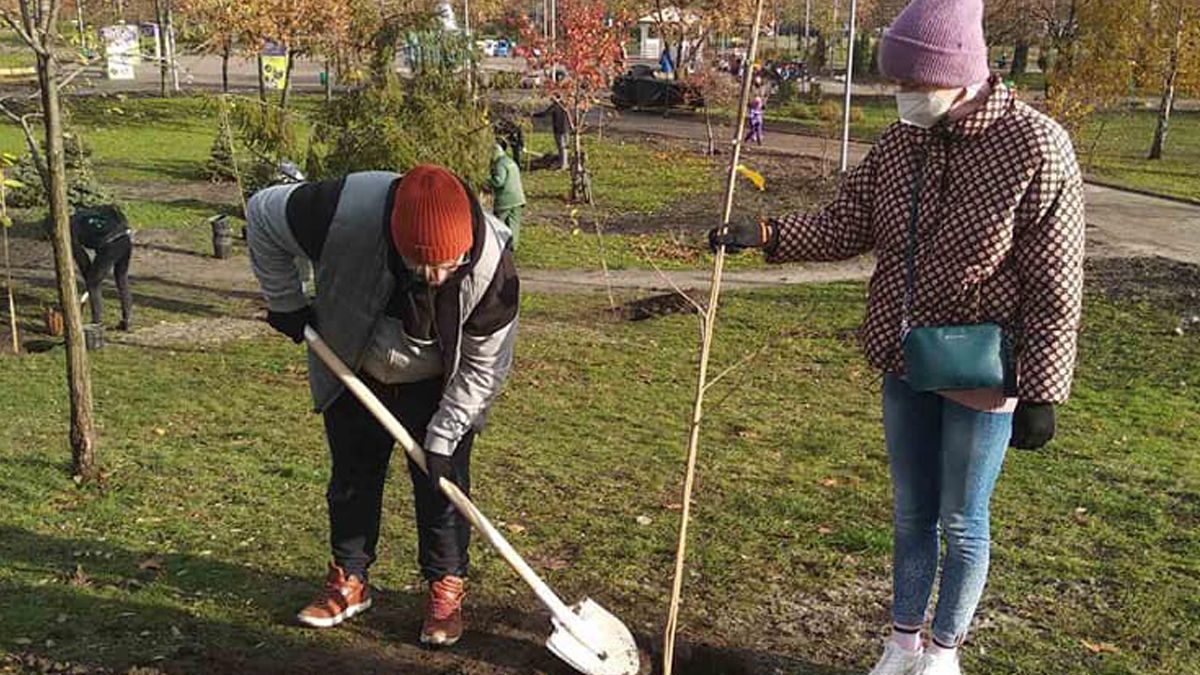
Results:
431 216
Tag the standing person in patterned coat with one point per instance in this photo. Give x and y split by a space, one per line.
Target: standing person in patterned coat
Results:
998 203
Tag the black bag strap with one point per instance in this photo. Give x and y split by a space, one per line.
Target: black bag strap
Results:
914 212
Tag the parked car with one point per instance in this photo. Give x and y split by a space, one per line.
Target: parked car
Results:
501 49
535 79
639 88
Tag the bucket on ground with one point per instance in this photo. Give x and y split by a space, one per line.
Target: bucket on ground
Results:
222 235
93 336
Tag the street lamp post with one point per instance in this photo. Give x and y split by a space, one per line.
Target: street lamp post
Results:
849 86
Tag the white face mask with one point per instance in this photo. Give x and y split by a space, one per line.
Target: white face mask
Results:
924 108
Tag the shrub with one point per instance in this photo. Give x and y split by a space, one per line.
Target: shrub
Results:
829 111
814 94
219 167
82 187
787 92
856 114
504 79
395 124
801 111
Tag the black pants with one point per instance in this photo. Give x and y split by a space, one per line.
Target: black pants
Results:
112 256
361 449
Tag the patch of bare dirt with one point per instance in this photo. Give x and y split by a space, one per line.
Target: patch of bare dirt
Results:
1165 283
206 192
198 334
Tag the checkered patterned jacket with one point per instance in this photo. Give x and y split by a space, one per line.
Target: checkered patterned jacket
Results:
1001 236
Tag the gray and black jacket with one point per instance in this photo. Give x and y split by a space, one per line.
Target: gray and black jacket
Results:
343 227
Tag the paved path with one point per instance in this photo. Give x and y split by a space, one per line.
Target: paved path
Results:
1120 223
568 281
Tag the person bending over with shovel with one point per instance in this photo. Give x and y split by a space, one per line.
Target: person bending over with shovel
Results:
973 206
416 290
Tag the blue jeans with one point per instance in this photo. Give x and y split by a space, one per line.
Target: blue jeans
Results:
945 459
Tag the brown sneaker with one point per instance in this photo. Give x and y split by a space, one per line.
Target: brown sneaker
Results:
341 598
443 612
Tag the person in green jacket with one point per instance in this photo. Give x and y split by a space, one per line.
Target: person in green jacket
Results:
508 196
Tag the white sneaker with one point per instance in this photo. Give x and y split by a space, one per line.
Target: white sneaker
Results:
938 665
897 660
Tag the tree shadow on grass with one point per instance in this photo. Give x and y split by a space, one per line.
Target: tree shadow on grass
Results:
91 603
178 169
105 606
142 298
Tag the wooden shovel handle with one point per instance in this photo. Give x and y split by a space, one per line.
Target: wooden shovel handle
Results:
561 612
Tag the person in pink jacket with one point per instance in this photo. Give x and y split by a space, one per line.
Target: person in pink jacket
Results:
755 121
973 206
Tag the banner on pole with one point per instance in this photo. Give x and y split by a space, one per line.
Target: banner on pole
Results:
274 61
120 51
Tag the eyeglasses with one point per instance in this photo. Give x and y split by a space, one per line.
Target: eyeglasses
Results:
439 270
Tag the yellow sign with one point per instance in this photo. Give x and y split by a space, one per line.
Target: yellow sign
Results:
274 71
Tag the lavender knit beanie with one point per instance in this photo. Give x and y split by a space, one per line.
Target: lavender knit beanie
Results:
936 42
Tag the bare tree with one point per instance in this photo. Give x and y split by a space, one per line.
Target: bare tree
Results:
36 22
1175 61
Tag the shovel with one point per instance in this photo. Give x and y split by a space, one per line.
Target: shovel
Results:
587 636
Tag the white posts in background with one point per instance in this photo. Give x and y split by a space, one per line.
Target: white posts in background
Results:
807 24
807 64
168 37
849 86
82 28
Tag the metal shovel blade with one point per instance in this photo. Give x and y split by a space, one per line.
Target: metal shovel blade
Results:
610 649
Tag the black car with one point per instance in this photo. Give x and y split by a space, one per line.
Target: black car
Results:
639 88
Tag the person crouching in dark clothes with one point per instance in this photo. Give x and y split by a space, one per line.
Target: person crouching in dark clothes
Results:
104 231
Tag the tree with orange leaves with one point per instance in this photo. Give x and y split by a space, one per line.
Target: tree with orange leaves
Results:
224 24
299 26
583 61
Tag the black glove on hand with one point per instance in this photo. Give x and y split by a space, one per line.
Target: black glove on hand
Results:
755 233
438 467
1033 425
292 324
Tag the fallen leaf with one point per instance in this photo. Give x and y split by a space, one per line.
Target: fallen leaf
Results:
160 431
80 578
1099 647
644 520
154 563
824 530
516 528
829 482
1080 515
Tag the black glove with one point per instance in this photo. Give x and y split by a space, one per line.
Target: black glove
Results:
755 233
1033 425
438 467
292 324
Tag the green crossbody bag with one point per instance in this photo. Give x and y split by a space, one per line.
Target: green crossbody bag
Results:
967 356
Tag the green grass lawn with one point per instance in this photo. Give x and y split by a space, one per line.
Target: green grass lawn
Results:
16 59
1113 148
161 145
209 528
